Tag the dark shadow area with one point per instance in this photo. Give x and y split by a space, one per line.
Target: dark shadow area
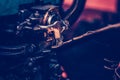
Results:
83 59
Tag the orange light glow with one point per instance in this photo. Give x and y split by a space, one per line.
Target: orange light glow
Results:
64 75
67 4
102 5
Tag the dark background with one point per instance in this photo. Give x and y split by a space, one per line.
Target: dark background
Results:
83 59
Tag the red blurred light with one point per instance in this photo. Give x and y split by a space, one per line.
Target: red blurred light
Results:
102 5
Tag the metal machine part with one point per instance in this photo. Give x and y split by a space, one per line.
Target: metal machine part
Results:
39 30
45 21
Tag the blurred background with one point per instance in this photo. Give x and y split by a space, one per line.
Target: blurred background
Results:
96 14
